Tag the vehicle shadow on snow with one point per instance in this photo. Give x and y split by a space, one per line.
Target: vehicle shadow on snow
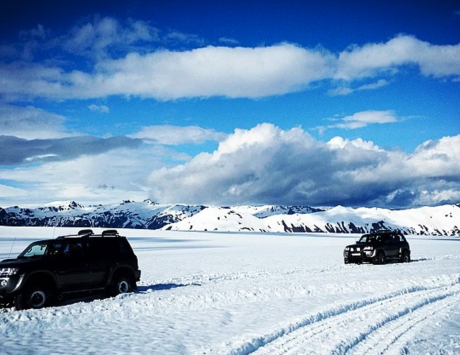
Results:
69 300
162 287
90 297
93 296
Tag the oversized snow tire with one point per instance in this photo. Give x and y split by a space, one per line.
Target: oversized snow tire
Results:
33 297
380 259
405 258
121 284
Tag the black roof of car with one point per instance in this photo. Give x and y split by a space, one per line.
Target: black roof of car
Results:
384 231
90 233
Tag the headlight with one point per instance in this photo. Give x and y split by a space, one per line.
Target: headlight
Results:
9 271
369 248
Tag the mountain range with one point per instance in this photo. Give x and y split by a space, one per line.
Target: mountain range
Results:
439 220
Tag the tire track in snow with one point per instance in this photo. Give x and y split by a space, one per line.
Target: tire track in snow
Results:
316 334
202 279
390 337
262 274
309 334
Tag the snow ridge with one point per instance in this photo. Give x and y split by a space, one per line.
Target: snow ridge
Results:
441 220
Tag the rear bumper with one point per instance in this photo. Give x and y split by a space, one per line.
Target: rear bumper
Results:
137 275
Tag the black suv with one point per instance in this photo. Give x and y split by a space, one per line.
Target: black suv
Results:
50 269
377 248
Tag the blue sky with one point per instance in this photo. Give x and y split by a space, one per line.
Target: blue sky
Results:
230 102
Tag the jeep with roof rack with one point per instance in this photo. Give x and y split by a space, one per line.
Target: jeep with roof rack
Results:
51 269
378 248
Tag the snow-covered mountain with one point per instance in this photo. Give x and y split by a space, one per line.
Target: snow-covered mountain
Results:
128 214
440 220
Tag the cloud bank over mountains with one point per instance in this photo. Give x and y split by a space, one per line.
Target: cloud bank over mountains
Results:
269 165
265 164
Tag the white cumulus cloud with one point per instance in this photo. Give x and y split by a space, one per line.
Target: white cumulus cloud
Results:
376 58
125 63
269 165
215 71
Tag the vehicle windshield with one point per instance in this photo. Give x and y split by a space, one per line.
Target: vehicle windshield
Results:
370 238
35 249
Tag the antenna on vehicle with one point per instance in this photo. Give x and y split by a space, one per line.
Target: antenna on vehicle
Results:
54 226
12 244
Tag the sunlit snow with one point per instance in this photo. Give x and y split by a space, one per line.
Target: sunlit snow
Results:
242 293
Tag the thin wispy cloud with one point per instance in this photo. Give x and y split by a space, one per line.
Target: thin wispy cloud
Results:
347 90
229 41
30 122
18 151
361 120
175 135
99 108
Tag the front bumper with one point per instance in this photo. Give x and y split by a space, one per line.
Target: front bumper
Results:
10 285
361 256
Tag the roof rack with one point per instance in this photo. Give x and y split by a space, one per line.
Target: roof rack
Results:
85 232
89 232
81 233
110 232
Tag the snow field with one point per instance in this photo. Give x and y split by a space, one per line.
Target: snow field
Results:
242 293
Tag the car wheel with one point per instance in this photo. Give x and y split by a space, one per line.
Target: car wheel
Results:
380 259
122 284
405 258
34 297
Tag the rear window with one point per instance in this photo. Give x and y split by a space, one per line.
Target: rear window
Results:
125 248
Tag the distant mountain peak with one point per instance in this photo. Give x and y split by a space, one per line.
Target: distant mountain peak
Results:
260 218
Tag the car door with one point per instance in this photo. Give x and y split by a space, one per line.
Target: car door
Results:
71 267
100 258
392 246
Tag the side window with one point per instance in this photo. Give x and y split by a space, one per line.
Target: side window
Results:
95 249
73 250
386 239
401 239
54 249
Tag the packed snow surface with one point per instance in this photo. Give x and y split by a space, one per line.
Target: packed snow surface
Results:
251 293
